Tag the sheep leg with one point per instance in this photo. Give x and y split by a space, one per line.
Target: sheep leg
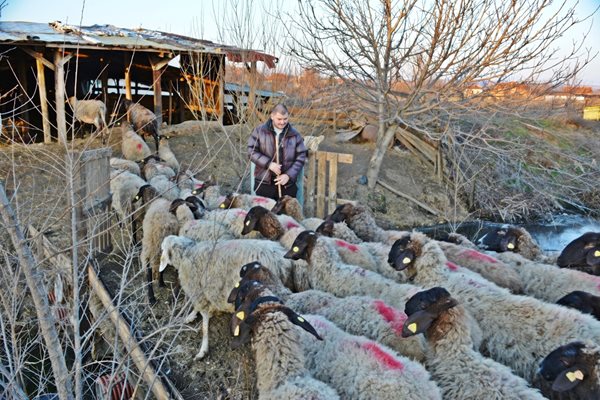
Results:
151 298
204 346
161 280
155 136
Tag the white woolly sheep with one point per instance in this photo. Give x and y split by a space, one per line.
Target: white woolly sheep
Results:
211 194
582 301
166 154
124 187
125 165
246 201
133 146
280 361
511 324
571 371
165 187
233 219
358 315
207 271
90 112
142 119
152 166
289 205
360 220
187 183
201 230
331 229
461 372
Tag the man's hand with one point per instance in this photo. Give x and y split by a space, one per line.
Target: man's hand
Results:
282 179
276 168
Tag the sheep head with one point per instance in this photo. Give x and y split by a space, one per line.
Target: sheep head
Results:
302 246
281 204
326 228
570 365
170 244
403 253
501 240
585 302
424 308
343 212
583 251
228 202
264 221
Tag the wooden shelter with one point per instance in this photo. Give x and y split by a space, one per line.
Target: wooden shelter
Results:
43 64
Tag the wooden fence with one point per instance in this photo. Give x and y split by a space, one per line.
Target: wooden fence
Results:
321 188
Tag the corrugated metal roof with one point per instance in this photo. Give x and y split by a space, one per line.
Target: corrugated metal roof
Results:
234 87
110 36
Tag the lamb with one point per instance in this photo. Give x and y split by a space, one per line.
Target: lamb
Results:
331 229
208 270
125 165
487 266
358 315
496 309
460 371
142 119
162 219
547 282
246 201
280 362
268 224
583 252
585 302
90 112
573 371
289 205
133 146
124 187
166 154
355 366
511 238
360 220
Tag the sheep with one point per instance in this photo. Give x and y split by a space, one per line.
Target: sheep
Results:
573 370
460 371
583 252
547 282
152 166
125 165
280 362
200 230
234 220
512 325
90 112
585 302
208 270
360 220
358 315
133 146
200 205
165 187
331 229
144 196
268 224
487 266
166 154
187 183
124 187
211 194
289 205
511 238
162 219
246 201
355 366
142 119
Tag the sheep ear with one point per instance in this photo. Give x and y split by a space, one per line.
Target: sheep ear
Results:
241 325
402 260
417 323
301 322
568 379
508 243
326 228
234 292
593 256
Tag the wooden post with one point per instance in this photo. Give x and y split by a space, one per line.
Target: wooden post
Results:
127 77
104 81
156 75
321 173
332 185
43 100
59 82
252 91
170 102
221 83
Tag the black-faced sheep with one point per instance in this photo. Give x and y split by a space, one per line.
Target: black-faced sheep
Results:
329 228
572 371
513 239
461 372
583 252
142 119
90 112
267 223
289 205
585 302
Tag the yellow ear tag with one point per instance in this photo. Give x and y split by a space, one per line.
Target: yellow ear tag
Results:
237 331
222 205
573 376
597 253
510 246
412 327
237 285
300 319
406 260
295 249
240 315
247 223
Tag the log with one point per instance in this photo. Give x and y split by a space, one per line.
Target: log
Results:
412 199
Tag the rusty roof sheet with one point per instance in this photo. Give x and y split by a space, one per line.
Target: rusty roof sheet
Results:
110 36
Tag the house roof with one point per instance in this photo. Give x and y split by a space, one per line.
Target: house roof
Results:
234 87
56 34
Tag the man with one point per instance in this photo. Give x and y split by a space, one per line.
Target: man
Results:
276 170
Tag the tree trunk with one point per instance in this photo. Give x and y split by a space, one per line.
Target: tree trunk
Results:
383 142
40 299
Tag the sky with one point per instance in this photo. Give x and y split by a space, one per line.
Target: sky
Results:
201 18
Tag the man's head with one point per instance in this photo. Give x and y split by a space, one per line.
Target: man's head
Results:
280 116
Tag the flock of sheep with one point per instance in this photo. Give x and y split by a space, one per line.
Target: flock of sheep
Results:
341 308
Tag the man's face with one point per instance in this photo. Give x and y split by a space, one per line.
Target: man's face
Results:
279 120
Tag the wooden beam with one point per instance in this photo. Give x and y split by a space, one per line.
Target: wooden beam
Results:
321 175
332 185
39 57
59 91
43 99
158 63
156 86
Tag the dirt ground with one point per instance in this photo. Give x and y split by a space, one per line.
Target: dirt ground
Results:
35 176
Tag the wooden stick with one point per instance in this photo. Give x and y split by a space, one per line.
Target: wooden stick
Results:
277 159
417 202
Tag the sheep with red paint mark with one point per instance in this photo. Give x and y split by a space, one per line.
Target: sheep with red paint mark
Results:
208 270
461 372
289 205
234 220
133 146
358 315
487 266
332 229
267 223
246 201
513 326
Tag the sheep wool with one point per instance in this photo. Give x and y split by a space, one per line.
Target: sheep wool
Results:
340 229
165 187
133 146
124 186
90 112
125 165
166 154
362 222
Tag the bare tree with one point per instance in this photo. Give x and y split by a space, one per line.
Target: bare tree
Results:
408 61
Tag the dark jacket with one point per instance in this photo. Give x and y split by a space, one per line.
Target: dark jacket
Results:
261 150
